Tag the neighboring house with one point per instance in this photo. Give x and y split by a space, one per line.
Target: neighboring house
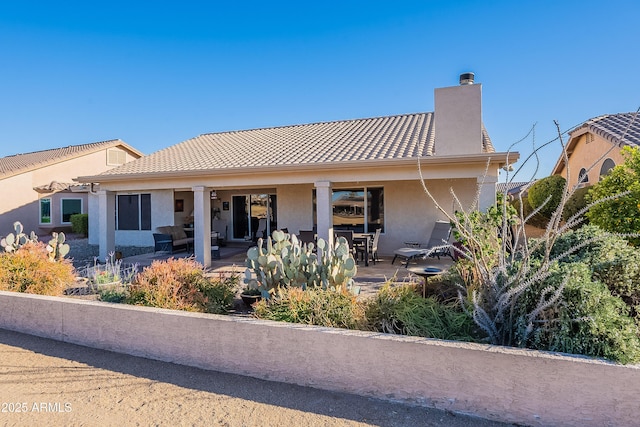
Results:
38 190
513 189
356 174
594 147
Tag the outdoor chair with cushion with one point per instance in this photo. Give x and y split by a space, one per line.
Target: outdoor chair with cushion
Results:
437 246
373 247
170 238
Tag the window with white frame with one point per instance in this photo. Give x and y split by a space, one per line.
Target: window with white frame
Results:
69 207
133 212
45 211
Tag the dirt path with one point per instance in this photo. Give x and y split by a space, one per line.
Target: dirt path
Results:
59 384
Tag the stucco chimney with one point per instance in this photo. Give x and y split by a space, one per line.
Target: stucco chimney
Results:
458 118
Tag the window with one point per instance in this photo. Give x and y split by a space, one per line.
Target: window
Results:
70 207
45 211
583 178
133 212
607 165
116 157
357 209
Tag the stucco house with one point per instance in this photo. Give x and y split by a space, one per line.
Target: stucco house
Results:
357 174
594 147
38 190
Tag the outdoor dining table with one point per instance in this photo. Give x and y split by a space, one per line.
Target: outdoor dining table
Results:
363 239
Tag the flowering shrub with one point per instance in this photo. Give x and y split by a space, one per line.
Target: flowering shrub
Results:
181 284
29 269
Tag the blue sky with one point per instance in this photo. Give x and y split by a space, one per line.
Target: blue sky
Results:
156 73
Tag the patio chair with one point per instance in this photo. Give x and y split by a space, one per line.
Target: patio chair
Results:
262 228
373 248
437 246
307 236
354 248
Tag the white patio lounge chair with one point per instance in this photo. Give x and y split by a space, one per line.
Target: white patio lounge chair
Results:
437 246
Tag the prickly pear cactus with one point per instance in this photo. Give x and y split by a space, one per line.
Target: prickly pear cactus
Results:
57 247
13 241
283 260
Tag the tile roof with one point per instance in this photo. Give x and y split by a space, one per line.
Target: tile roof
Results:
510 187
20 163
612 127
391 137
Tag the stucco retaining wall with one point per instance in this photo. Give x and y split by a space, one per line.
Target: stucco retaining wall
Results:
520 386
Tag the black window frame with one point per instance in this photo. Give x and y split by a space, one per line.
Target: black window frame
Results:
133 212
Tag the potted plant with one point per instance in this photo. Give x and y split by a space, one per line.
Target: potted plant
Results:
250 295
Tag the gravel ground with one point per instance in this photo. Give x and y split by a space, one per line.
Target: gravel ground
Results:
82 253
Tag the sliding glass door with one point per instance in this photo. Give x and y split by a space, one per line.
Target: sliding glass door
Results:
254 216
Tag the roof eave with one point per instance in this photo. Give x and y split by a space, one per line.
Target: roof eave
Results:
500 158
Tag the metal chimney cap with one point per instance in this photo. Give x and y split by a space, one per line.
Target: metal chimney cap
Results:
466 78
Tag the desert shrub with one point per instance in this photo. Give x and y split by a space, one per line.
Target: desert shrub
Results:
612 260
30 269
618 214
181 284
219 293
80 224
585 244
112 295
575 203
401 310
535 219
313 306
546 194
589 321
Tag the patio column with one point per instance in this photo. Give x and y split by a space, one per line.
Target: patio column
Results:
324 210
487 192
106 217
202 225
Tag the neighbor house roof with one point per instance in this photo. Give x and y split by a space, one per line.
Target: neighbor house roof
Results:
21 163
510 187
621 129
380 138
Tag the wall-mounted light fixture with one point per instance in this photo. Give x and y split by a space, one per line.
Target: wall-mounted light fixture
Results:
214 195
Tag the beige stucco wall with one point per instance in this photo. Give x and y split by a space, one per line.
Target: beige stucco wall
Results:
162 213
295 207
19 202
510 385
587 155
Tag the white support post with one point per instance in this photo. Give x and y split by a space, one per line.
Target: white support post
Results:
106 223
487 194
202 225
324 211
